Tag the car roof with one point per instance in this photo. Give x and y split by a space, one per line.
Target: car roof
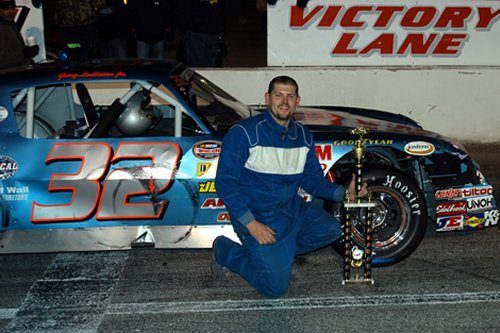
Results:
100 69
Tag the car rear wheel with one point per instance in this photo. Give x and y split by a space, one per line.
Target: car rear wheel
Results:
399 217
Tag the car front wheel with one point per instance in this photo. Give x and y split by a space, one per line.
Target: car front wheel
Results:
399 217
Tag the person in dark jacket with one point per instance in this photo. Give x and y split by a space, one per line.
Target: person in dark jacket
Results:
151 21
112 29
202 23
13 52
77 23
264 162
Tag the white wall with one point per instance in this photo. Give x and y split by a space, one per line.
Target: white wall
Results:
462 103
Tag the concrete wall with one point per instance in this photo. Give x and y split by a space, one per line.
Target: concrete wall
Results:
463 103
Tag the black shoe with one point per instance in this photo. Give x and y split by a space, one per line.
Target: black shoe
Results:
217 269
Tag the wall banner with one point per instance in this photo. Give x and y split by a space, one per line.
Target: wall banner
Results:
384 33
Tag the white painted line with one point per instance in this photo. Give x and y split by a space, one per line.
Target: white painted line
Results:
7 313
301 303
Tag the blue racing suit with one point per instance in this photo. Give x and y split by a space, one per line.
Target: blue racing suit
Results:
261 167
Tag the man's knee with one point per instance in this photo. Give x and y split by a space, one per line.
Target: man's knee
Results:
274 284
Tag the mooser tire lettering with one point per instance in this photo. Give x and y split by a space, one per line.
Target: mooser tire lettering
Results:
112 200
393 182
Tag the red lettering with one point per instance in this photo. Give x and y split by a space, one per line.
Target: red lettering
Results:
486 16
297 18
329 16
455 221
454 17
417 44
418 17
386 15
450 44
349 20
383 43
342 46
324 153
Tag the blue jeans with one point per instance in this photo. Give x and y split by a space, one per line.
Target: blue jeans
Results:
268 268
150 50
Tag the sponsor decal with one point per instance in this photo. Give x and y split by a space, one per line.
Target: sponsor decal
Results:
491 217
480 204
207 150
451 208
419 148
8 167
323 152
453 193
393 182
450 223
3 113
74 76
213 203
15 193
365 141
202 168
474 221
207 187
223 217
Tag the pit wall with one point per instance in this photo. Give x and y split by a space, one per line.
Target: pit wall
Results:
462 103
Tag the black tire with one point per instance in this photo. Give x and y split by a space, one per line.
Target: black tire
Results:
399 217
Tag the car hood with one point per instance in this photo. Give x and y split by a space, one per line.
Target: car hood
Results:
319 119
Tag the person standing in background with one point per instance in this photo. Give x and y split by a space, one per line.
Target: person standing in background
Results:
202 23
13 52
112 30
77 22
151 20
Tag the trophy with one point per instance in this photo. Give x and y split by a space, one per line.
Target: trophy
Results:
357 260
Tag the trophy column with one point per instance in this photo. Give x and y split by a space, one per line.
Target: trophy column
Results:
357 260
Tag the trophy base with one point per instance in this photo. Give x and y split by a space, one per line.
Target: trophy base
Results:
359 204
358 281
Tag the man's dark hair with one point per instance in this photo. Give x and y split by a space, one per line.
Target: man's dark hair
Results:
283 79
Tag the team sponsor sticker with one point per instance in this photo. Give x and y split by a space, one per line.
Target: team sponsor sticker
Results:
491 217
450 223
223 217
8 167
419 148
206 187
451 208
480 204
474 221
202 168
453 193
207 150
212 203
3 113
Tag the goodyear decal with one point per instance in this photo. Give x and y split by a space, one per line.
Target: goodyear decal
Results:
419 148
8 167
365 141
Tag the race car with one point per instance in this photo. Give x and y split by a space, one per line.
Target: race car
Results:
110 155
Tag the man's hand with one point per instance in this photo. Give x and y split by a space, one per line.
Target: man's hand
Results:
351 190
261 232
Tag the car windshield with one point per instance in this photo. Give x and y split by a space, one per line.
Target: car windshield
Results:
209 101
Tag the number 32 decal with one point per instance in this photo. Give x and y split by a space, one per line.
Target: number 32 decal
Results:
113 198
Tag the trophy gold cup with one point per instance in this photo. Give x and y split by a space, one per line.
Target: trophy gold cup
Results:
357 260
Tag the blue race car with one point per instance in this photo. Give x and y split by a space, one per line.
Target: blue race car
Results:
106 156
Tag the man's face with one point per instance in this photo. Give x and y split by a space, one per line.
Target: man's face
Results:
282 102
8 13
